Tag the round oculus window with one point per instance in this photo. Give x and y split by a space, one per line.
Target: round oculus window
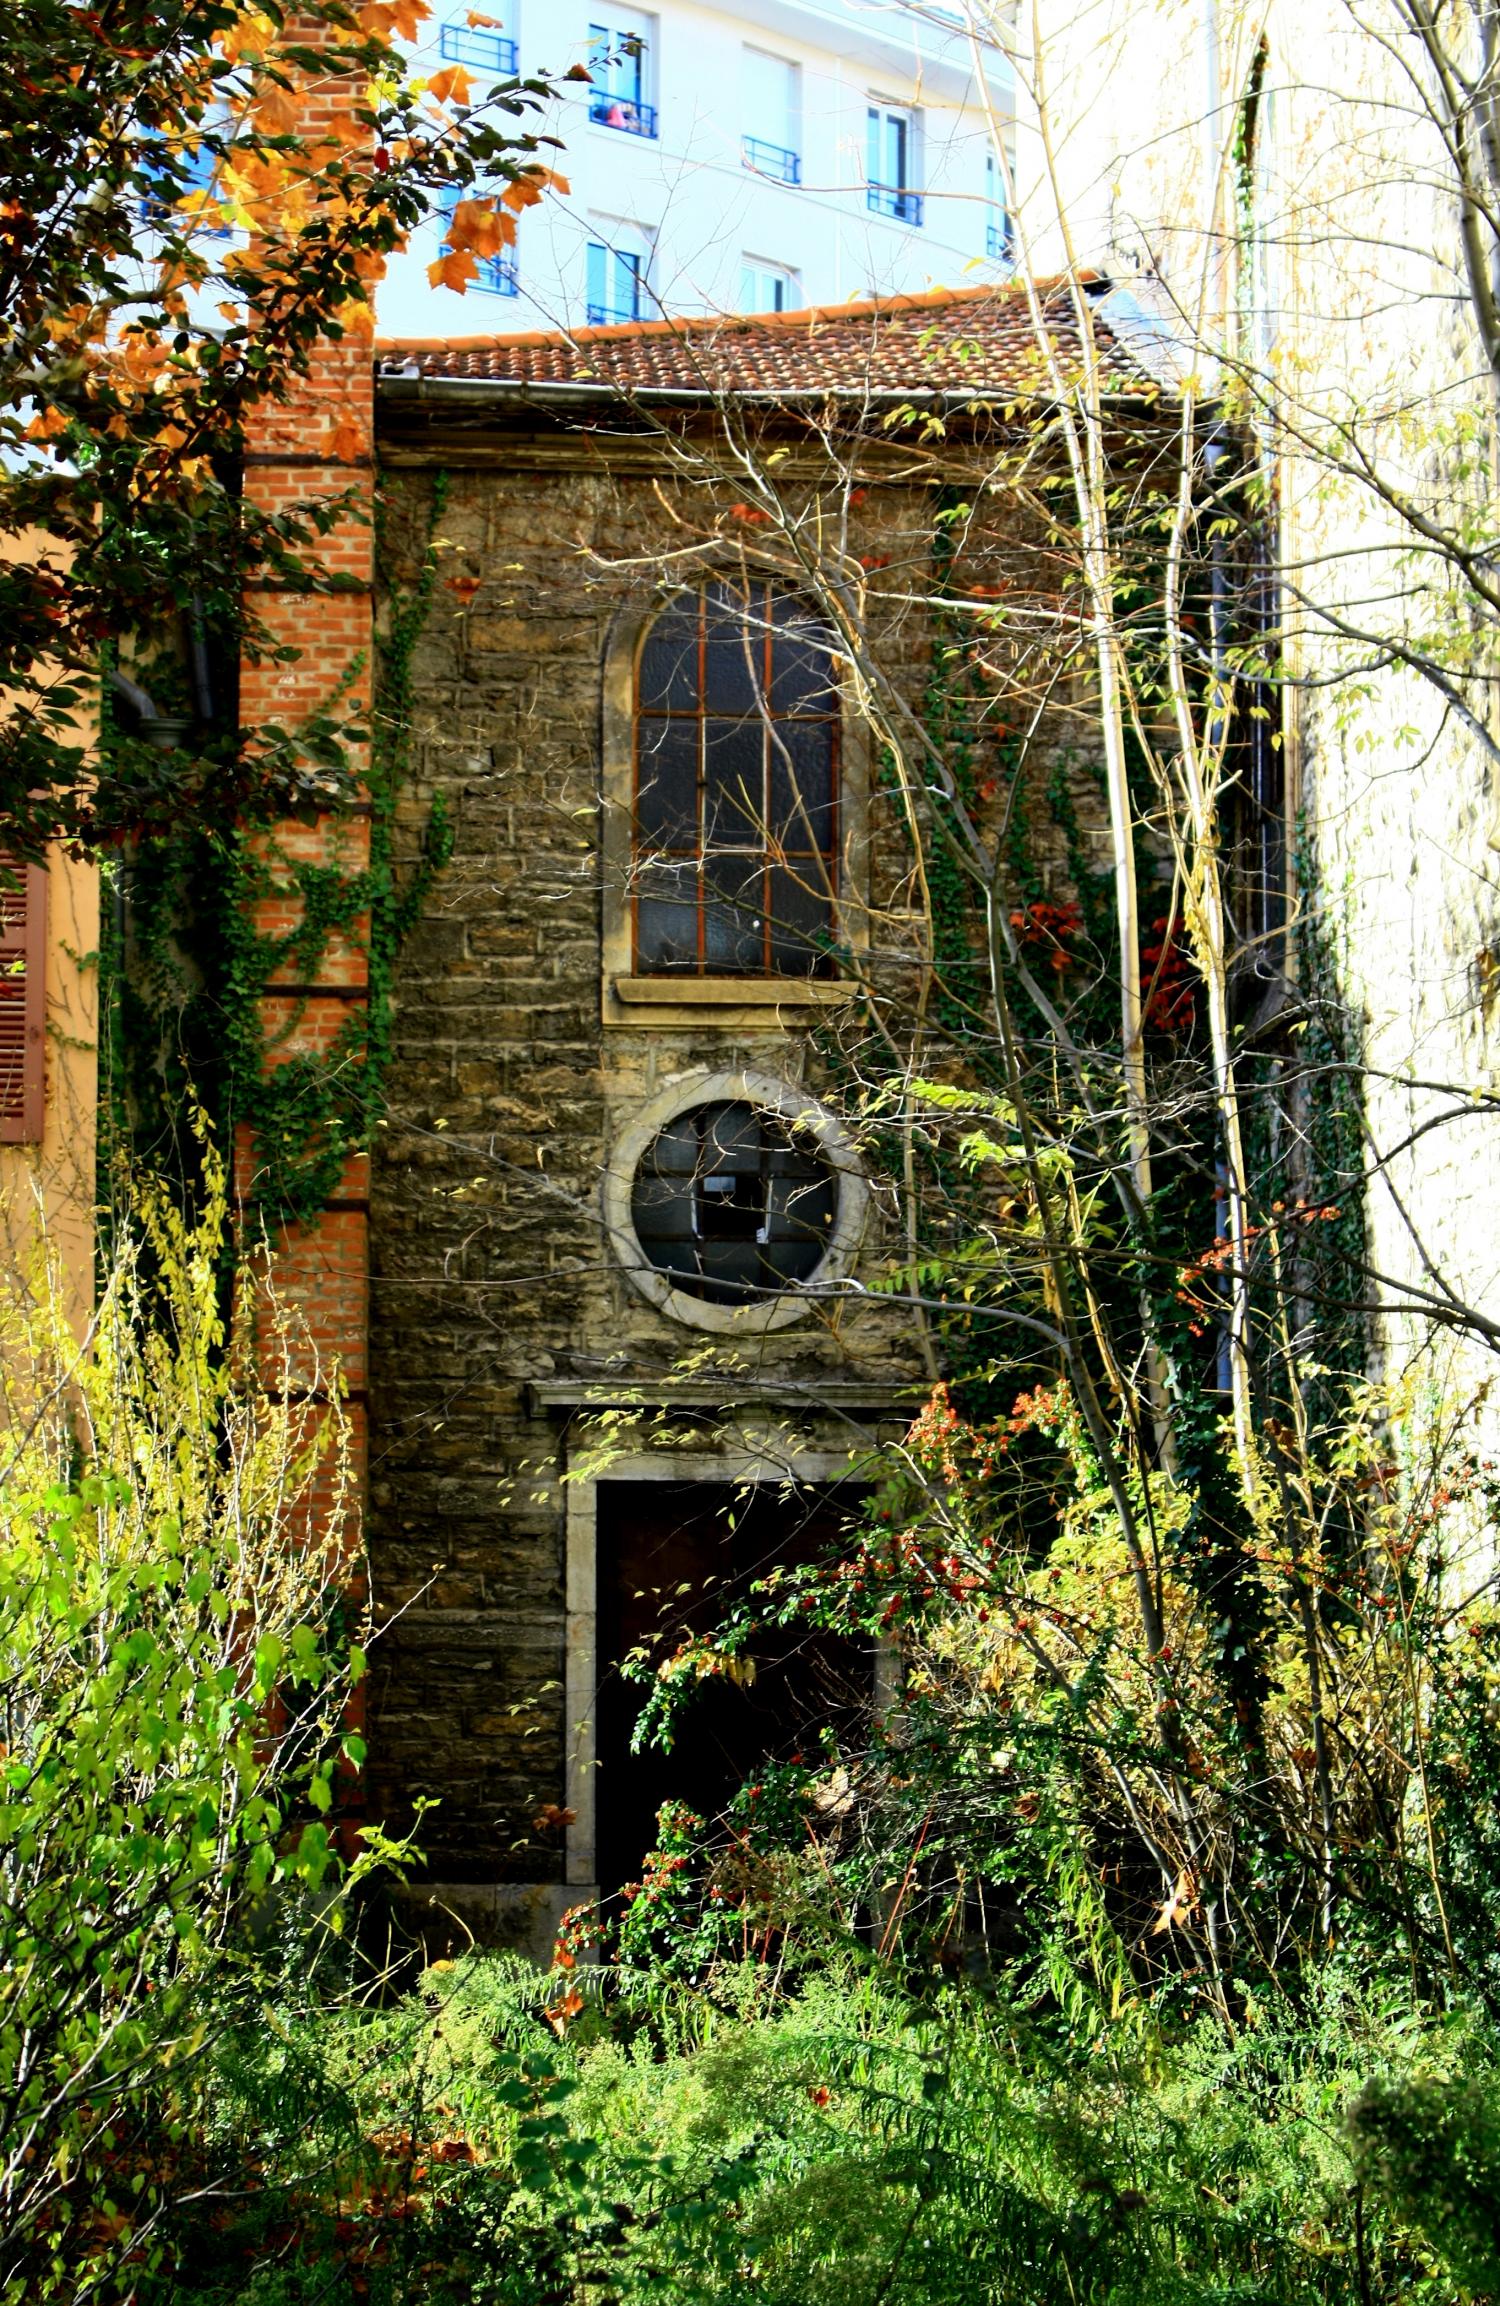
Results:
733 1204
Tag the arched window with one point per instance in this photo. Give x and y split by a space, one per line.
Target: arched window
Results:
736 821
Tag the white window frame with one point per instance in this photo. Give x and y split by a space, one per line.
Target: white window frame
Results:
769 269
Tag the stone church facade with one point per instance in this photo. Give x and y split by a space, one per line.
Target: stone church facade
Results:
624 1256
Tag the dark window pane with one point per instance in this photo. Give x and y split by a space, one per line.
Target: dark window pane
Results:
669 660
802 814
661 1208
735 1266
732 1137
678 1151
734 799
801 664
733 921
786 1261
666 917
799 1209
735 649
667 784
801 920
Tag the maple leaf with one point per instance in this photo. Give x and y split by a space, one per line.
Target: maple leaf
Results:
476 21
450 86
346 437
455 270
480 228
275 113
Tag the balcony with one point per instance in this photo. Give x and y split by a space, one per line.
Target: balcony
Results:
1000 243
487 51
894 200
622 112
605 316
771 160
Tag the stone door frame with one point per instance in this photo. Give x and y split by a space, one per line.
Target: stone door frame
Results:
721 1466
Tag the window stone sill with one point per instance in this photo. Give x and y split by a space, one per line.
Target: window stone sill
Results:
647 999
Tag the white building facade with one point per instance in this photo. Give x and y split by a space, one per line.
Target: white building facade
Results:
757 156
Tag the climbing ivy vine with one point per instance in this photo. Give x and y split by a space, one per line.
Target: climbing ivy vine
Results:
190 967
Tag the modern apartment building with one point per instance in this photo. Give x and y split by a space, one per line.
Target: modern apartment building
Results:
756 156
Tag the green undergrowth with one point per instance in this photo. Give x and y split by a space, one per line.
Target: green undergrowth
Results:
849 2141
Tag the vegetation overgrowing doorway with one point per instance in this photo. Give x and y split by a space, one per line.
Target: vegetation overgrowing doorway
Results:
672 1558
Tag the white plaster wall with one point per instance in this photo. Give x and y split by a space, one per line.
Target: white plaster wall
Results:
1361 318
688 189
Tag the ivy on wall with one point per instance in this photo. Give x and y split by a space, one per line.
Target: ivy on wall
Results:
189 968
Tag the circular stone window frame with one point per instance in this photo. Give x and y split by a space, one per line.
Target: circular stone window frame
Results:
767 1095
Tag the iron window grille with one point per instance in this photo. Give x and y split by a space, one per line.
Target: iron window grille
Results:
771 160
736 837
489 51
999 242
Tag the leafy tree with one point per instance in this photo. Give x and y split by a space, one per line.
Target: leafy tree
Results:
196 196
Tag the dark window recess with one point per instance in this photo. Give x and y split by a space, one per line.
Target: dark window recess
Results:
733 1204
673 1558
736 788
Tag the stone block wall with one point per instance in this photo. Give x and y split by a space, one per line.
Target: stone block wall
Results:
494 1289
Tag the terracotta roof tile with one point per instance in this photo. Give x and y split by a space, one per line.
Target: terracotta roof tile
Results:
950 341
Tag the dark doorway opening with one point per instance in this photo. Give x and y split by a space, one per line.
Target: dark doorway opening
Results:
672 1558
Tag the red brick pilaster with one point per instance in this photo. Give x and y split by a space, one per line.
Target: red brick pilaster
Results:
318 444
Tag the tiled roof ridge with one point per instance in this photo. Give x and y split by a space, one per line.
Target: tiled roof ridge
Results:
720 325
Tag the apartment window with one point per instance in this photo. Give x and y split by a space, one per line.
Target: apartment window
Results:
486 51
999 236
183 191
772 142
616 284
23 1002
891 163
736 787
619 69
767 287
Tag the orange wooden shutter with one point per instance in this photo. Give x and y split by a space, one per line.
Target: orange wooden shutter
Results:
23 1002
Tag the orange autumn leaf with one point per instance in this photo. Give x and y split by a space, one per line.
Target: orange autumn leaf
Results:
346 437
47 425
476 22
450 86
560 2013
455 270
275 113
480 228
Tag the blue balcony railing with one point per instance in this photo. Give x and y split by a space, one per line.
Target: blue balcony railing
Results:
1000 242
771 160
605 316
497 276
622 112
486 51
894 200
